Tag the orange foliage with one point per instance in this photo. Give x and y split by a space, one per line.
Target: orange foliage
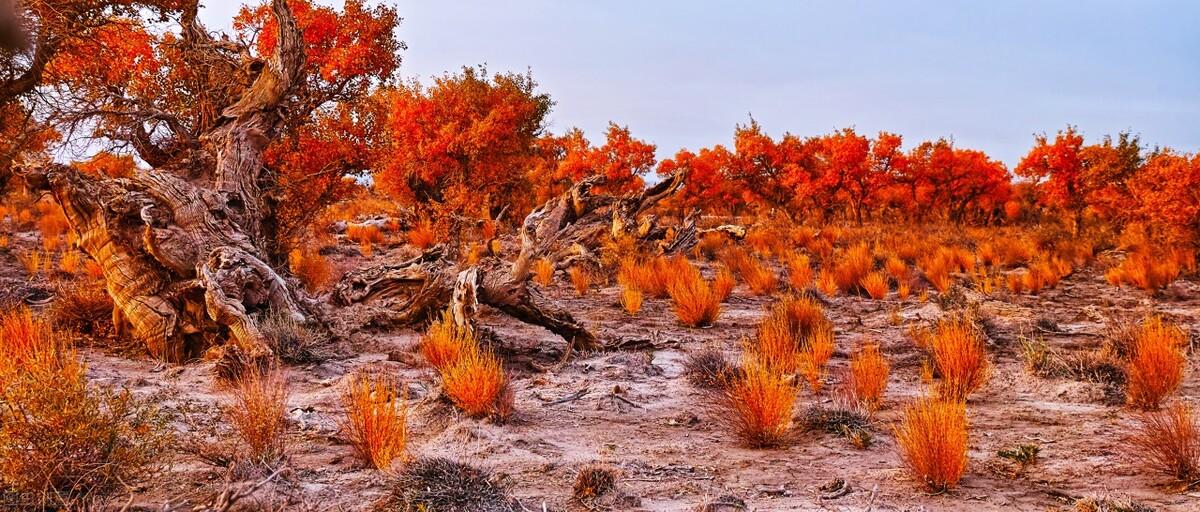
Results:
581 279
311 268
695 302
631 300
800 273
422 235
854 265
723 284
259 413
543 272
932 439
956 349
476 383
814 356
875 284
1156 363
445 342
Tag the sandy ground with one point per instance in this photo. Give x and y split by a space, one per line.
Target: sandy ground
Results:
666 437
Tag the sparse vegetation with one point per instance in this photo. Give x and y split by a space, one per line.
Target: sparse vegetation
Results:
932 438
376 421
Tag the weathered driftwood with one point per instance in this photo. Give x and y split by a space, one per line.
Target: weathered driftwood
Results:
563 229
183 249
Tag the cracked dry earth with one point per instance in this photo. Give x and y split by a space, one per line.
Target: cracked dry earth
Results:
634 410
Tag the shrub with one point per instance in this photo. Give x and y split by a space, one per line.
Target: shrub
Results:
543 272
696 304
759 404
445 341
707 368
376 421
827 283
594 481
868 375
723 284
80 306
1168 441
855 264
364 233
422 235
800 272
631 300
815 352
64 442
875 284
932 438
956 348
842 419
710 244
1156 363
651 276
896 268
71 262
292 341
437 484
476 383
581 279
903 290
259 414
311 268
760 278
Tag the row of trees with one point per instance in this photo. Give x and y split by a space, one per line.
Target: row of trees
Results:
97 71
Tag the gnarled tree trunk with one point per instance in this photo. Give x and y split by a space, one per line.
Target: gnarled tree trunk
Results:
183 249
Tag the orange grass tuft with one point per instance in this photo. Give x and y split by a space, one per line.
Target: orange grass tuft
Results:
759 402
1156 363
476 383
855 264
760 278
631 300
543 272
875 284
581 279
422 235
71 262
800 272
956 348
1168 441
376 422
445 342
723 284
695 302
869 375
259 413
311 268
814 356
932 439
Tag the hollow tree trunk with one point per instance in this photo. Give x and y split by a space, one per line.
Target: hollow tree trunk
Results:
183 249
564 229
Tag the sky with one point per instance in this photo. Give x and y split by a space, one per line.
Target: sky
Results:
682 74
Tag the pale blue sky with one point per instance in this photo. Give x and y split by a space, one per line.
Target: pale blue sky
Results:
683 73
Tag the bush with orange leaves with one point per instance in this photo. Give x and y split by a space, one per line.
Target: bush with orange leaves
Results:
794 337
853 266
258 414
695 302
723 284
759 404
869 371
932 438
1145 271
311 268
445 341
423 235
1156 363
64 441
758 276
956 351
800 272
631 300
1168 441
476 383
376 422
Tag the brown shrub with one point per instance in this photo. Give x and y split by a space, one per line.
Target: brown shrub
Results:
81 307
1168 441
593 481
376 421
258 414
708 368
932 439
437 484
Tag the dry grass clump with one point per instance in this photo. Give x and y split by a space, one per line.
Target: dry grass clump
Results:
759 404
932 439
71 262
708 368
827 283
957 352
365 235
376 422
795 337
543 272
1146 271
581 279
476 383
423 235
80 306
875 284
292 341
758 276
710 245
445 341
842 419
63 442
723 284
32 261
815 351
1156 363
631 300
311 268
854 265
258 414
799 272
695 302
593 481
896 268
436 484
1168 441
652 276
869 371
